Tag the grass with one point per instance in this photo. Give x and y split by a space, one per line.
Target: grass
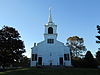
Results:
53 71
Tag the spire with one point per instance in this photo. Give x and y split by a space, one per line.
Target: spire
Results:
50 18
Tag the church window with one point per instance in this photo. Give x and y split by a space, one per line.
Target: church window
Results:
50 41
50 30
66 56
34 57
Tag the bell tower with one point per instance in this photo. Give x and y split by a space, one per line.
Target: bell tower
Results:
50 34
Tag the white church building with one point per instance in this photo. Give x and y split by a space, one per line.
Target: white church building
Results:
50 52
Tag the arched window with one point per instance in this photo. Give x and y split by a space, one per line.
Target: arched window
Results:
50 30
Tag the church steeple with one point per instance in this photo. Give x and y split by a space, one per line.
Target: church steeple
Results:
50 28
50 17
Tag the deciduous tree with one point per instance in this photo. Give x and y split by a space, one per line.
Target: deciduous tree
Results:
11 47
76 45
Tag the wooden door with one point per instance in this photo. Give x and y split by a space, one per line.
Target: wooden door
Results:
61 60
39 60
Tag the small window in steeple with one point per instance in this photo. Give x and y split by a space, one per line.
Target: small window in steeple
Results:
50 30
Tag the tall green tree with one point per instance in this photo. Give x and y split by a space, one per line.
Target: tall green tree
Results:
98 41
98 57
11 47
98 36
76 45
89 61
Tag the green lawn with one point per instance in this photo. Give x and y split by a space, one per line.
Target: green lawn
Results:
53 71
